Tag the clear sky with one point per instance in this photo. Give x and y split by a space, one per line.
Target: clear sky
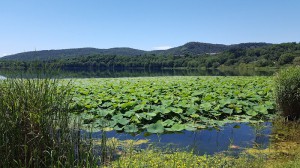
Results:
27 25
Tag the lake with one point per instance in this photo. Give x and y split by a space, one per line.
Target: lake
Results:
232 137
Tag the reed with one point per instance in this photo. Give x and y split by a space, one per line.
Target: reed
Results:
36 127
287 91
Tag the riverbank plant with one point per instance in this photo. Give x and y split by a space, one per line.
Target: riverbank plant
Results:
36 128
287 91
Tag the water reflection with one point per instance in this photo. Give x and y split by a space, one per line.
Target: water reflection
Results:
84 73
231 138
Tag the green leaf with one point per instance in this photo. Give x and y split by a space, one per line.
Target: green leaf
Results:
129 113
131 128
156 128
197 93
117 117
205 106
190 127
166 103
224 102
165 110
151 114
168 122
227 110
238 109
139 107
261 109
191 110
123 121
251 112
127 105
177 110
176 127
208 97
104 112
117 128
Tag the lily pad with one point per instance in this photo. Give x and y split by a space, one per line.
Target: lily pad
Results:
131 128
156 128
176 127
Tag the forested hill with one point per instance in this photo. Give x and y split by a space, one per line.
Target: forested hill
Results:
191 48
197 48
267 56
243 55
68 53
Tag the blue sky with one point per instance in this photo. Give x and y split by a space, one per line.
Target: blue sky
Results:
143 24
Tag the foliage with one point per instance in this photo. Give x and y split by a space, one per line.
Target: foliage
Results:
192 48
191 55
169 104
67 53
287 91
35 125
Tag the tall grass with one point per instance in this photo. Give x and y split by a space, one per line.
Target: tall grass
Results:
36 127
287 91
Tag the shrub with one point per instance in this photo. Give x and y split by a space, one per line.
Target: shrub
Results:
287 91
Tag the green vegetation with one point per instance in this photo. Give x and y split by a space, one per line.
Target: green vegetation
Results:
191 48
170 104
157 158
67 53
248 55
287 90
39 129
36 128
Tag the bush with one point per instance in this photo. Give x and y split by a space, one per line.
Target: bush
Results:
287 91
296 61
286 58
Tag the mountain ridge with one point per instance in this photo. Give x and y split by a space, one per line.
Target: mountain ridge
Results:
190 48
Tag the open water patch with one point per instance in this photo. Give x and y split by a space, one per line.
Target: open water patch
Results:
231 138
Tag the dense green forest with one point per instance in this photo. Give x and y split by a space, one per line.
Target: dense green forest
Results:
245 55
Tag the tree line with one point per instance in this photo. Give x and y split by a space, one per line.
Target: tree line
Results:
266 56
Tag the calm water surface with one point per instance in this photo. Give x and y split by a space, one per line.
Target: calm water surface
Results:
232 138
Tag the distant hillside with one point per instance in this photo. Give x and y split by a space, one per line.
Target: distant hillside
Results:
242 55
191 48
197 48
67 53
273 55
